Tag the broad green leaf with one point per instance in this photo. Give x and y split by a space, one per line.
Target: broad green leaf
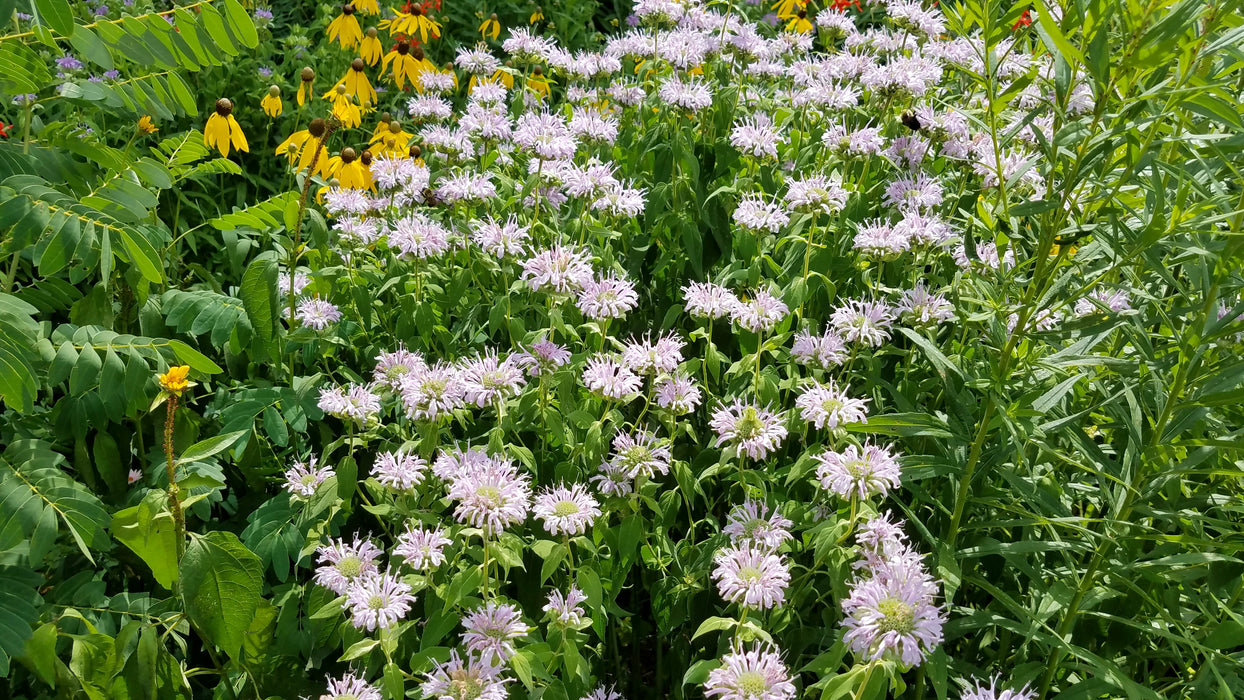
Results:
56 14
148 530
19 599
221 583
211 446
194 358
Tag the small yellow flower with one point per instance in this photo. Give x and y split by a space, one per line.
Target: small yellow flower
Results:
344 108
271 102
391 140
351 171
490 26
345 28
145 125
412 23
799 23
537 83
536 16
785 9
174 380
304 87
367 7
356 84
222 130
300 148
370 49
408 63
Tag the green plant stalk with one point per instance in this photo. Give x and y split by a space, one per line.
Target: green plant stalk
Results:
295 252
174 491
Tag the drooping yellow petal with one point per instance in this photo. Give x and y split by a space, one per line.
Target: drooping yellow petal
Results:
370 48
236 135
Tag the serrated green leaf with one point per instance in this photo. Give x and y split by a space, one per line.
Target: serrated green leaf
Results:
221 583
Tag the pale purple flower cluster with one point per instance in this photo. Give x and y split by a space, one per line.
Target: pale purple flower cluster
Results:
302 479
491 497
350 687
857 472
357 403
753 431
752 576
316 313
606 377
828 406
491 630
566 609
342 563
399 470
377 601
753 524
891 611
566 510
750 674
422 548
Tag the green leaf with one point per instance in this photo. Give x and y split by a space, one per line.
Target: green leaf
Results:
241 23
19 334
143 254
221 583
37 483
91 47
211 446
19 599
148 530
56 14
194 358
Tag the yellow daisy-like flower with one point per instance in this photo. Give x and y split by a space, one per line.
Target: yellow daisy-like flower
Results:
391 140
351 171
271 102
370 48
301 146
538 83
174 381
785 9
356 84
449 70
367 7
412 23
536 16
145 125
222 130
490 26
304 88
800 23
345 28
408 63
344 108
382 126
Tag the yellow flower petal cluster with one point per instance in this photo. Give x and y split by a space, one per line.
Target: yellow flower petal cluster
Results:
304 87
145 125
390 140
175 381
367 7
370 49
351 171
413 23
345 28
356 84
301 146
536 16
271 102
407 62
490 26
222 130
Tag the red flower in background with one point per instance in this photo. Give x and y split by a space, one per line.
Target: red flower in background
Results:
4 130
1025 20
842 5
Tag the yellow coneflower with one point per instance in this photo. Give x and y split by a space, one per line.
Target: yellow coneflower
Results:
382 126
490 26
356 84
145 125
800 23
370 48
300 147
175 381
304 88
391 140
271 102
536 16
222 130
351 171
344 108
367 7
345 28
785 9
408 63
412 23
537 83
